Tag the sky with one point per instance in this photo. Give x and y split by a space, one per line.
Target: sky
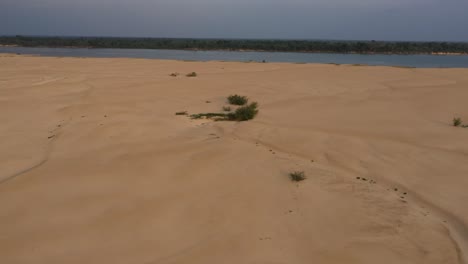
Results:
413 20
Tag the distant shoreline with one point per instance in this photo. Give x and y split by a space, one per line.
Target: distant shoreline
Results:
330 52
290 46
251 50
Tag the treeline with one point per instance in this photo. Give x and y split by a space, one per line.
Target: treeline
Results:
364 47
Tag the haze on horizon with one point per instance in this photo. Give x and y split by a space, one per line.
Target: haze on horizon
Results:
415 20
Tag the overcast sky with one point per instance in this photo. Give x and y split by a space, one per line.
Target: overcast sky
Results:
299 19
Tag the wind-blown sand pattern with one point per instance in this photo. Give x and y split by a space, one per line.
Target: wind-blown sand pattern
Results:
95 167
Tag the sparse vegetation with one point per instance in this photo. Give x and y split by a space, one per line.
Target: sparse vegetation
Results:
244 113
174 74
192 74
208 115
457 121
297 176
181 113
237 99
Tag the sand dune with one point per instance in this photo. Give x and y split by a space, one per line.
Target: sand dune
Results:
95 167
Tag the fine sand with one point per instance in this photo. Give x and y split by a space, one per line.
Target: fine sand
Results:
95 167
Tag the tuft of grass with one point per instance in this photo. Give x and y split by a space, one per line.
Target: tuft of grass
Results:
244 113
174 74
181 113
237 99
297 176
457 121
207 115
192 74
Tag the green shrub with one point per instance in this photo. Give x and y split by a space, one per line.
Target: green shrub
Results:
192 74
237 99
226 108
297 176
244 113
457 121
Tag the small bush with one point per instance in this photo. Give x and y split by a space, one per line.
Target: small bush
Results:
297 176
244 113
174 74
237 99
457 121
181 113
226 108
192 74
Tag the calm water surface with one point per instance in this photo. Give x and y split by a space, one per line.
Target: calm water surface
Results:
420 61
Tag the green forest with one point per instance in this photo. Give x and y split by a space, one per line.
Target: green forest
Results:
317 46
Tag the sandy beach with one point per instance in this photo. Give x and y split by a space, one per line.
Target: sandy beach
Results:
95 167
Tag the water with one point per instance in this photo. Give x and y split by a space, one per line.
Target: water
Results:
420 61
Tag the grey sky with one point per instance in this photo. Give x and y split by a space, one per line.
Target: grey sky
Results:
300 19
